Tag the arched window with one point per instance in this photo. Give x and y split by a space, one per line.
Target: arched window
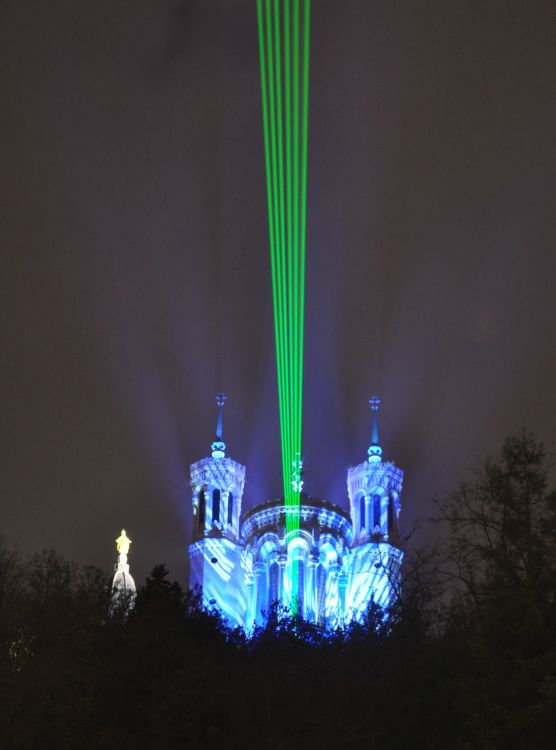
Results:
362 512
376 511
216 505
202 506
230 509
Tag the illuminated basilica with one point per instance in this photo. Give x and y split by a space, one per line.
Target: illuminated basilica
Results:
344 559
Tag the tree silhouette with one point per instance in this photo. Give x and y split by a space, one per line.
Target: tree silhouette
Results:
465 658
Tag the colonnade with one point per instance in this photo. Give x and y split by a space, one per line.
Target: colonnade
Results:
322 584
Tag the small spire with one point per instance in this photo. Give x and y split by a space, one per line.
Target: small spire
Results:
375 451
219 447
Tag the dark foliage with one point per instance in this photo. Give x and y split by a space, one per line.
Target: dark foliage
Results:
466 658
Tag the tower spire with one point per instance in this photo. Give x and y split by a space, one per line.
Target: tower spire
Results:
375 451
219 447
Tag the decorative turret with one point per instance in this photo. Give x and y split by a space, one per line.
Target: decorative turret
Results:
217 484
374 489
215 554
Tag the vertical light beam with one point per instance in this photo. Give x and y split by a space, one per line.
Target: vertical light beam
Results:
284 65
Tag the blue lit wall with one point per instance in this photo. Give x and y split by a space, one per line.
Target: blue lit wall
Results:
216 567
344 560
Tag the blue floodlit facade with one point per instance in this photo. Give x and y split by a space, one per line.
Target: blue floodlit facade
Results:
345 559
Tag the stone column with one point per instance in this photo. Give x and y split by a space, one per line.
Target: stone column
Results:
311 589
250 608
224 501
261 602
342 588
282 560
332 596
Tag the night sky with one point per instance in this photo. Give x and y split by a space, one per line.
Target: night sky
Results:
135 270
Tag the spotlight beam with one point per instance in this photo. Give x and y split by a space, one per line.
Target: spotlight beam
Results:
284 67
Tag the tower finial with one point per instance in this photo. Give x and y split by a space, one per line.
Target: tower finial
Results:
218 447
375 451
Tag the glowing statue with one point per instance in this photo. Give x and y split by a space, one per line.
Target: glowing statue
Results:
123 585
123 543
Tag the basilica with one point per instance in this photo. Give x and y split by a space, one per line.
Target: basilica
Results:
343 559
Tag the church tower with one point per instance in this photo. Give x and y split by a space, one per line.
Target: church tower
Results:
345 560
217 484
374 489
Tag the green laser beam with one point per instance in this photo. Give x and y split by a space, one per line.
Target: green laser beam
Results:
284 67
